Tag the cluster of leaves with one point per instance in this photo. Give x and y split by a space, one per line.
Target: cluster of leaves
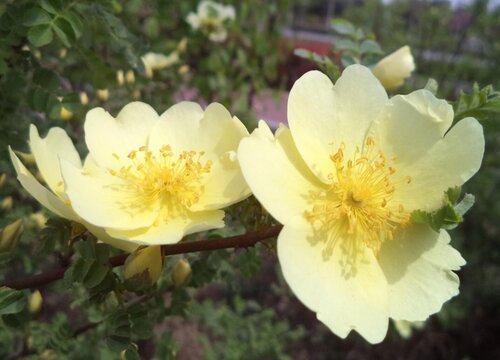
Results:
449 215
482 104
42 43
244 330
351 45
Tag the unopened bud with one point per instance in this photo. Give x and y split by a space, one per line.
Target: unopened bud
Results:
181 272
102 94
35 302
37 54
38 219
10 234
136 94
142 268
84 99
48 354
120 77
182 46
184 69
3 179
393 69
65 114
130 77
7 203
62 53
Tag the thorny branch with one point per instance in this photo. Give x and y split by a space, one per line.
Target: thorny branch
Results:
239 241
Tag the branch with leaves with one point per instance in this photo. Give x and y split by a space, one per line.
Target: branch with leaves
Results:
239 241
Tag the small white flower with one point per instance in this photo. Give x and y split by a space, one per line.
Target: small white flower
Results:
212 19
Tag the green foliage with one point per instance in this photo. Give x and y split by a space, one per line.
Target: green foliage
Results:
11 301
354 44
351 44
243 331
91 268
324 63
482 104
449 215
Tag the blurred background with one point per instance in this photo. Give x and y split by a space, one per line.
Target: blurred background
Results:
60 58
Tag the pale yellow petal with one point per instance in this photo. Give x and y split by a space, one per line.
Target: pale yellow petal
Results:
110 139
172 227
47 152
186 127
323 116
39 192
100 200
418 266
276 173
409 125
101 235
450 162
347 293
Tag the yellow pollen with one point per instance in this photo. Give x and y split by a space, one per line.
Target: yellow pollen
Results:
357 208
171 180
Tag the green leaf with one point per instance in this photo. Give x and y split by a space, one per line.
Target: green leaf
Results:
347 59
50 5
40 35
480 103
370 47
75 21
343 27
448 216
11 301
64 31
118 343
46 79
3 67
465 205
36 16
453 194
152 27
39 99
250 262
346 45
131 354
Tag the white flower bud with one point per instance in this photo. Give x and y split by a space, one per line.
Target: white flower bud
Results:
393 69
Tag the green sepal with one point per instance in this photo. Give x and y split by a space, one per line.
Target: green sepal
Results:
449 215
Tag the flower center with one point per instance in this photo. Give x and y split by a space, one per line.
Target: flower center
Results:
163 177
357 206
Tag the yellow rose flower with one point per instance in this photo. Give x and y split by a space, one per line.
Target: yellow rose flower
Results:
393 69
344 180
47 153
152 179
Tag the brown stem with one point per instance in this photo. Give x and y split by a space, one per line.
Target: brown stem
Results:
240 241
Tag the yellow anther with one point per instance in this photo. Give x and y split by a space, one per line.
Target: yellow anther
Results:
358 205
